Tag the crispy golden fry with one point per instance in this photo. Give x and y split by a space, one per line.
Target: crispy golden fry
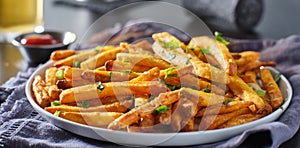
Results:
242 90
140 100
149 75
241 119
66 84
108 76
174 76
41 95
99 119
272 88
202 98
61 54
190 80
218 50
185 109
255 65
53 92
209 72
224 109
50 77
190 125
69 61
111 89
134 115
100 59
249 77
73 73
214 121
246 57
142 60
114 107
111 65
139 48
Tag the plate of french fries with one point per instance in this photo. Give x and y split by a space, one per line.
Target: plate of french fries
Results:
162 93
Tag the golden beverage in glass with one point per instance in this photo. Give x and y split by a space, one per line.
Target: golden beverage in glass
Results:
19 16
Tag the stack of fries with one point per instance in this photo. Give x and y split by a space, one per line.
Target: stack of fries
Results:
166 86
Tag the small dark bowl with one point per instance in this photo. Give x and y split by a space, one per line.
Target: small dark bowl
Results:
35 54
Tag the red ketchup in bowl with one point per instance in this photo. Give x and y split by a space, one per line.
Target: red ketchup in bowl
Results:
39 39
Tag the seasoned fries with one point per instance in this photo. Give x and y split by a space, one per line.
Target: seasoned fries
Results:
162 87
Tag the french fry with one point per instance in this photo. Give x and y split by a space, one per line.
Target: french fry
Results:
249 77
272 88
99 119
148 75
61 54
112 89
114 107
242 90
111 65
41 95
246 57
241 119
69 61
66 84
166 117
255 65
73 73
224 109
134 115
100 59
145 44
53 92
142 60
218 50
108 76
50 77
189 126
214 121
139 48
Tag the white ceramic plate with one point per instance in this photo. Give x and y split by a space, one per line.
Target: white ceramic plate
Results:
158 139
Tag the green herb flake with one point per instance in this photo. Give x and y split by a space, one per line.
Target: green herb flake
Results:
206 89
57 113
77 64
161 109
268 100
100 86
55 103
169 73
173 44
188 61
110 75
239 73
281 107
59 74
261 92
219 37
277 77
205 51
97 49
84 104
226 102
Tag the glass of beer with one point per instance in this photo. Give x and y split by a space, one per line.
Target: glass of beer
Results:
19 16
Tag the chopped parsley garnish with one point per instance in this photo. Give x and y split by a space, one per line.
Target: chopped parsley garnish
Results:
170 86
55 103
228 101
173 44
100 86
219 37
57 113
77 64
206 89
281 107
277 77
161 109
268 100
110 75
59 74
238 73
205 50
187 61
169 73
84 104
261 92
97 49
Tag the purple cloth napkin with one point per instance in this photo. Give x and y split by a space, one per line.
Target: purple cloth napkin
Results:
21 126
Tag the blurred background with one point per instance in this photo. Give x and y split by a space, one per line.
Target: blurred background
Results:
243 19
